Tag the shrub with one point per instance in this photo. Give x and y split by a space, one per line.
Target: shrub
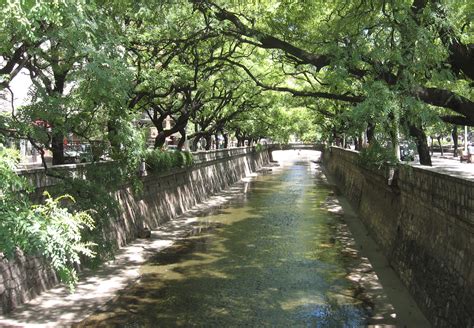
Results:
179 159
189 159
167 161
375 156
56 234
159 160
95 191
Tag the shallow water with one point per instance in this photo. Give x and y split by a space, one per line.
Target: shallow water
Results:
274 256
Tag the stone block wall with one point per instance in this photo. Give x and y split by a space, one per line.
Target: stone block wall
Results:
164 197
424 223
22 278
169 194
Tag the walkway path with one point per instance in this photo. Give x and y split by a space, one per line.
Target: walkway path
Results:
450 165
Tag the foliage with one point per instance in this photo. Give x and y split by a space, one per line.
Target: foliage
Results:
259 148
94 189
49 229
248 70
376 156
128 146
57 234
14 206
176 59
159 160
398 60
189 159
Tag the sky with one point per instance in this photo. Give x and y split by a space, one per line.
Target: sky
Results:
20 86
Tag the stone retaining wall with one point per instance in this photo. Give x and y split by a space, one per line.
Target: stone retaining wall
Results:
424 223
165 196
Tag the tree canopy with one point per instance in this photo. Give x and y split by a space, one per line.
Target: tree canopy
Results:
373 72
393 66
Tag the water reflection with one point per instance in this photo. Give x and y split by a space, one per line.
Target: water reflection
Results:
272 257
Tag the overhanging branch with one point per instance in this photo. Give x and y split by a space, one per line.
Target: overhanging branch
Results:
294 92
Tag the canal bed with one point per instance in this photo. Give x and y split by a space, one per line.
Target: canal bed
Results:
279 253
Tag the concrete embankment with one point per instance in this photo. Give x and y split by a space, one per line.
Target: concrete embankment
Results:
424 223
165 196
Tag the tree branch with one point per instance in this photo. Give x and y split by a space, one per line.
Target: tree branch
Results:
299 93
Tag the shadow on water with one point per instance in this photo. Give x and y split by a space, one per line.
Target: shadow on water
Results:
272 258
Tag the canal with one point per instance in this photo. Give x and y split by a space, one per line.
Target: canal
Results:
277 254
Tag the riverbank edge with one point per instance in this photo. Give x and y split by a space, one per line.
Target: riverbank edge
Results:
407 312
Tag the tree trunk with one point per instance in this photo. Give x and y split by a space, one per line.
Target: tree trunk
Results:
195 143
370 132
160 140
358 142
454 134
57 139
432 146
226 140
335 138
394 137
440 147
182 140
208 141
421 144
180 125
57 147
216 136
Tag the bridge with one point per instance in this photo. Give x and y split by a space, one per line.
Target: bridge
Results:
296 146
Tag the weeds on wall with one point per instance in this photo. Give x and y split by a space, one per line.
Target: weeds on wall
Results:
59 236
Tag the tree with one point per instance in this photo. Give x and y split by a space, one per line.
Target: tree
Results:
80 85
170 66
357 45
75 65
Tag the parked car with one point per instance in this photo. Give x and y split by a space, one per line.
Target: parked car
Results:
78 153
